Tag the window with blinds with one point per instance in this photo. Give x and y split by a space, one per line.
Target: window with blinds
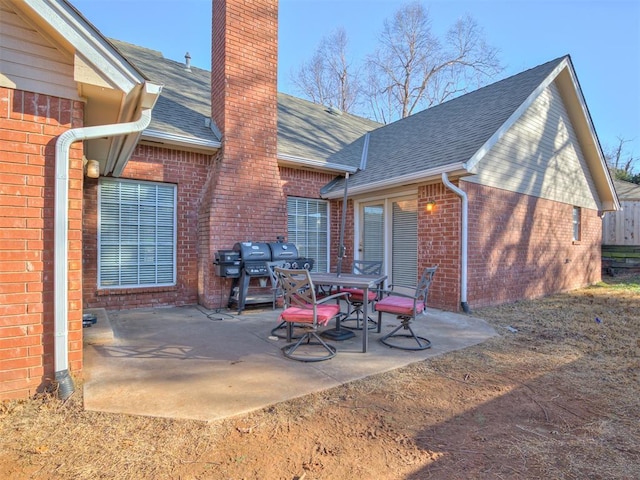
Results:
136 234
308 229
404 237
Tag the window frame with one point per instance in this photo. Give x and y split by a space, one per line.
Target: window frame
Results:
294 236
137 246
576 234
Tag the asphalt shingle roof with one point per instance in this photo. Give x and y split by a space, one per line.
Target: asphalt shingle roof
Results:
449 133
627 190
184 103
309 130
305 129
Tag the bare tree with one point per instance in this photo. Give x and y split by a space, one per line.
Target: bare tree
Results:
622 163
413 69
329 78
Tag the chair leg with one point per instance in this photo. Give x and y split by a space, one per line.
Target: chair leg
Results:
422 343
281 331
357 309
314 340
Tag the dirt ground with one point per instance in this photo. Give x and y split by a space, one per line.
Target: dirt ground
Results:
555 396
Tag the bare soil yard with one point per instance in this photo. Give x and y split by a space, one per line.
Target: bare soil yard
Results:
556 395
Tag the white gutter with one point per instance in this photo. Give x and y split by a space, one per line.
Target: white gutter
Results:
409 178
61 226
463 240
308 162
179 140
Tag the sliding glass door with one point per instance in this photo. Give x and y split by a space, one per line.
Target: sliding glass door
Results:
388 232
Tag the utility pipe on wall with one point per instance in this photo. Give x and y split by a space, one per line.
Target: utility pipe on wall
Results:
61 227
463 240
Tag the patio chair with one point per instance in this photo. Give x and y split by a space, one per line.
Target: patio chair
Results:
275 287
280 330
355 300
303 309
406 307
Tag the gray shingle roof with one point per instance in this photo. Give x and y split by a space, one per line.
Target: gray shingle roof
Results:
627 190
312 131
305 129
446 134
184 103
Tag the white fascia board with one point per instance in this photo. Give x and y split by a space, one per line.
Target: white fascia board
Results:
179 140
88 42
498 134
419 177
121 150
316 164
614 204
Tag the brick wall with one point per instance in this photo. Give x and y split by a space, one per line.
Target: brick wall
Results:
520 247
29 126
243 196
439 244
188 171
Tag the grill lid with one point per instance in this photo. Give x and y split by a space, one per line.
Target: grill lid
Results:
283 251
253 251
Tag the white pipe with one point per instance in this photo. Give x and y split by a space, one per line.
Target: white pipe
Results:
61 226
463 240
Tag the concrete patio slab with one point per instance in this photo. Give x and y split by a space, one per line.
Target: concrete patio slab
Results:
192 363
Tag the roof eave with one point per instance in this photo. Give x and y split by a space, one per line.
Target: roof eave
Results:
433 174
163 139
329 167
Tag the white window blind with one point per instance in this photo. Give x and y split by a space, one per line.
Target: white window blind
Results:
308 229
373 233
136 234
404 237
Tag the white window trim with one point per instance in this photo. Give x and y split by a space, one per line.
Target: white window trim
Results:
174 239
328 245
576 224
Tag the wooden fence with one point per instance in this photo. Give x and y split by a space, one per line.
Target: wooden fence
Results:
622 227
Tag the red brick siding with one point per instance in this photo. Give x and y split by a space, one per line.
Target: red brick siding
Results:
439 244
243 197
188 171
520 247
29 126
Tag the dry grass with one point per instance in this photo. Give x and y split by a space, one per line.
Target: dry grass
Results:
555 396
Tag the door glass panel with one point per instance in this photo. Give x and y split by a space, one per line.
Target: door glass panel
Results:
404 239
372 246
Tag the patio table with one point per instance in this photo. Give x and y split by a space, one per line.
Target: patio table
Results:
364 282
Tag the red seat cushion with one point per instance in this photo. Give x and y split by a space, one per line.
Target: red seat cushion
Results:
356 294
398 305
305 315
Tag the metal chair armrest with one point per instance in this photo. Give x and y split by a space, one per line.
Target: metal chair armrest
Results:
397 294
332 297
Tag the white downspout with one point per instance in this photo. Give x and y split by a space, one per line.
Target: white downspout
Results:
61 226
463 240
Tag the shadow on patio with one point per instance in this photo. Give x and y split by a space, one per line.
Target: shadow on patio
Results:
192 363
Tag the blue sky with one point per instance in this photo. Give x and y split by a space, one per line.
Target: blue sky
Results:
602 37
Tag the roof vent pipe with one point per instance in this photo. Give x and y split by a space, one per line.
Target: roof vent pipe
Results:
463 240
187 62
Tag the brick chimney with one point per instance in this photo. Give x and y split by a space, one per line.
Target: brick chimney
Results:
244 199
